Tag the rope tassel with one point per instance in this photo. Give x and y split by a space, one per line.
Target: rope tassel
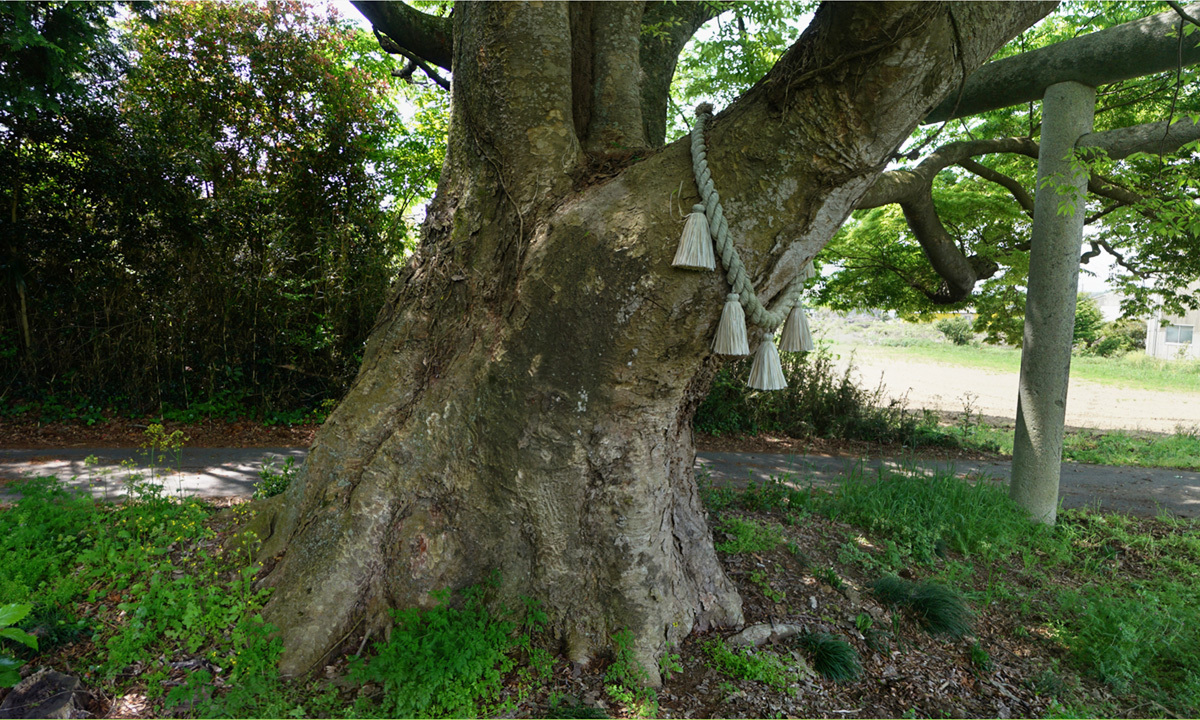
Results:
695 246
796 336
767 373
731 333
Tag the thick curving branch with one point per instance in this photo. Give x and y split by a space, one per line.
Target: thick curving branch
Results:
913 191
1156 138
898 185
958 272
425 36
1143 47
1015 188
666 29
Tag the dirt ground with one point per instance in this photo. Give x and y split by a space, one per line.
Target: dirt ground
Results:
993 394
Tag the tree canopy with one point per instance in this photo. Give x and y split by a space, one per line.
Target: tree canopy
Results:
977 175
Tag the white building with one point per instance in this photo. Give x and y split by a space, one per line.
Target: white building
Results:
1171 337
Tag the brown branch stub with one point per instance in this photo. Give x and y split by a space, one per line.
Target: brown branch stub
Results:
424 36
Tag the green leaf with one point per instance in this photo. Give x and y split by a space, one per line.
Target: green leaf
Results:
8 671
20 636
12 614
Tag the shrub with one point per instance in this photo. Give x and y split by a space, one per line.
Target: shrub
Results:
820 401
1088 321
957 329
1118 337
272 482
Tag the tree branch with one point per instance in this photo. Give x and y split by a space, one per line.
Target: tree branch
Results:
1141 47
425 36
1119 257
615 121
1183 13
390 46
666 29
1016 189
1159 138
895 185
1103 187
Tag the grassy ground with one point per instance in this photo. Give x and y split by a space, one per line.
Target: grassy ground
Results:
1135 370
1178 450
917 598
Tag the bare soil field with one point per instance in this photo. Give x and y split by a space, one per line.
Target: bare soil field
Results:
954 389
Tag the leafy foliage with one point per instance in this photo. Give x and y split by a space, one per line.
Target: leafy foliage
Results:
46 48
748 536
442 661
731 53
1088 322
274 482
10 615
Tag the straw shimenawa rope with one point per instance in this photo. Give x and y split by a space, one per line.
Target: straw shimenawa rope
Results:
735 271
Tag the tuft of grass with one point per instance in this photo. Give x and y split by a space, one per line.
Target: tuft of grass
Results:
831 656
627 680
748 536
980 657
938 609
1149 642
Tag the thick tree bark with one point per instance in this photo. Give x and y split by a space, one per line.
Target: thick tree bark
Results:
525 402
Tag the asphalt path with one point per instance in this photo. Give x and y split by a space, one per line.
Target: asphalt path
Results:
231 472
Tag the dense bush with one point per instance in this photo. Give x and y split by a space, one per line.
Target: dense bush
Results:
215 227
1117 337
957 329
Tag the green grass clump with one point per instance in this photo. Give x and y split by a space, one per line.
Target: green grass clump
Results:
748 536
747 664
938 609
627 681
831 656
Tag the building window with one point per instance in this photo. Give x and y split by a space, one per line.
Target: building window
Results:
1181 334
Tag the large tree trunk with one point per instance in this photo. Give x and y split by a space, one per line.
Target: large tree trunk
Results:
524 405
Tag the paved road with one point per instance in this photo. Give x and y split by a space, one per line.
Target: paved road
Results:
217 472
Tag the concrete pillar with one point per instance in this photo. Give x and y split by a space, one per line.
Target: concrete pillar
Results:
1067 111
